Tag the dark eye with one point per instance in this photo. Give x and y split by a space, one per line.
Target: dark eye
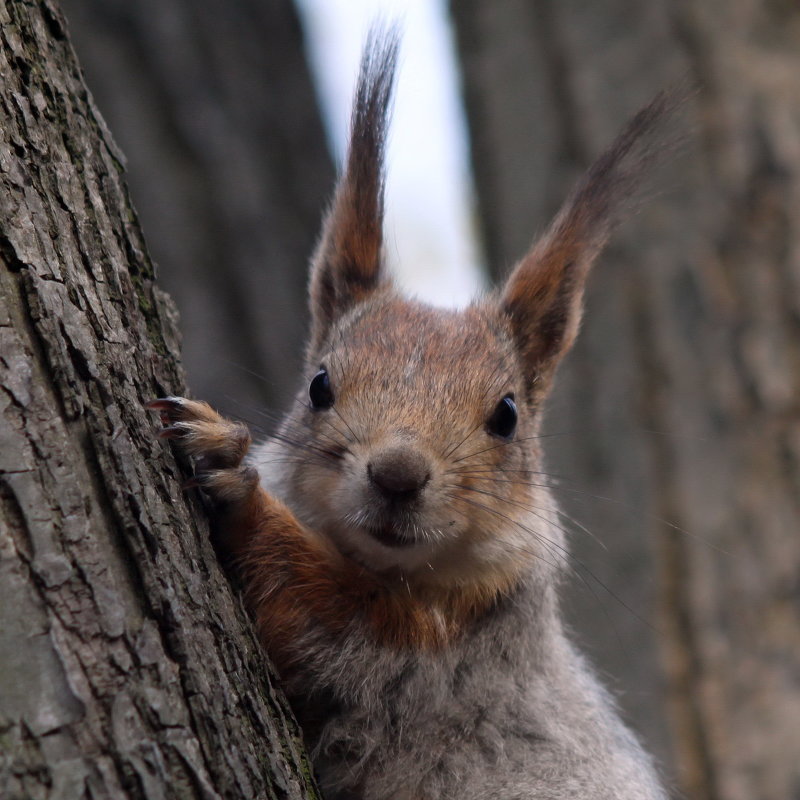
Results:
503 421
320 392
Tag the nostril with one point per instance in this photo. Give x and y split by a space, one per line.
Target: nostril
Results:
399 474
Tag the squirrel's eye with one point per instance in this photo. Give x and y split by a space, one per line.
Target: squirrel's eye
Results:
320 392
503 421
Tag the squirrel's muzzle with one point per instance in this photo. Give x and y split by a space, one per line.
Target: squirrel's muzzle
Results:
399 473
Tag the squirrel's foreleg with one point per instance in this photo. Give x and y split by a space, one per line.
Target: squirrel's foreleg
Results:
295 581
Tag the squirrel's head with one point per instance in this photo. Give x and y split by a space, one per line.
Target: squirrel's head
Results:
418 427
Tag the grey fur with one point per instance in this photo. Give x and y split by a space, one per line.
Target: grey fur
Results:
511 712
507 709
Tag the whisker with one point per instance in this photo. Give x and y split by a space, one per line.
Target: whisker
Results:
287 426
534 509
480 470
346 424
305 404
567 558
243 368
451 451
291 427
484 507
530 509
583 494
581 527
306 447
518 440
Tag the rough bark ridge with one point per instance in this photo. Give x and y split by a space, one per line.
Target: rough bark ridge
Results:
692 331
127 669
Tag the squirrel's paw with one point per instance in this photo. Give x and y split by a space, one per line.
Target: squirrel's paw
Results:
216 444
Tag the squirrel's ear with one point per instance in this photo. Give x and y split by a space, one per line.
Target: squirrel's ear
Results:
347 265
543 295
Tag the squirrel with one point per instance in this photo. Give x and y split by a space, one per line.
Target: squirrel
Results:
398 551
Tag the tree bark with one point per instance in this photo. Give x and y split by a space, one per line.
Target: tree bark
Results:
127 667
680 399
213 105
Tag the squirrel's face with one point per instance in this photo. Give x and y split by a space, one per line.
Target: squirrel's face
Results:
415 449
420 441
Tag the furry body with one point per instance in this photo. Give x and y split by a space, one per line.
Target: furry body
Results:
494 702
399 548
506 711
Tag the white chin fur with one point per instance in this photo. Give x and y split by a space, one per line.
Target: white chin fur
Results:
364 547
266 458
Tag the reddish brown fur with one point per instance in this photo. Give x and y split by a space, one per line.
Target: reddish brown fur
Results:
296 582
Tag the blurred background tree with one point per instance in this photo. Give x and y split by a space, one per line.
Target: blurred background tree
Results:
682 394
214 108
680 400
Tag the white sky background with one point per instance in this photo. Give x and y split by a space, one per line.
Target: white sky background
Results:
430 239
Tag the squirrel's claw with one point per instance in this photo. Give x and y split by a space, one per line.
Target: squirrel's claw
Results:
165 403
171 431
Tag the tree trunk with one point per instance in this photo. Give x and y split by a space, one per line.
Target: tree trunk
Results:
213 105
680 400
127 668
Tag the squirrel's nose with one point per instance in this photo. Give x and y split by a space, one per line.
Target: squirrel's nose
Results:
399 473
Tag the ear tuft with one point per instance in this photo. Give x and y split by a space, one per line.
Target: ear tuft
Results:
347 266
543 294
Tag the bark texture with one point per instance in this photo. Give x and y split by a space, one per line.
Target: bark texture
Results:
213 105
680 400
127 668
